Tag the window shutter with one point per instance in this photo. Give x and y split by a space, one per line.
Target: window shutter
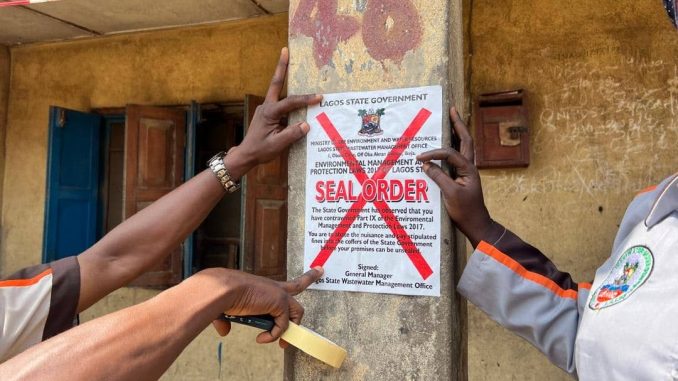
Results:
71 203
264 232
154 166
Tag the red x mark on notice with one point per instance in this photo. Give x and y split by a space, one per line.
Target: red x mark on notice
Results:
386 213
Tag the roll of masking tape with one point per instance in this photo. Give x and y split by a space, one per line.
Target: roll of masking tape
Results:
301 337
314 345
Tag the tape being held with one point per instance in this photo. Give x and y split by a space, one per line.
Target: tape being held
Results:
314 345
303 338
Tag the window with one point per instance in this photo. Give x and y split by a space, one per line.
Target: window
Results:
140 153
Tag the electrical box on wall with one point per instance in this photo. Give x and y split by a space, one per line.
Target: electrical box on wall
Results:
502 139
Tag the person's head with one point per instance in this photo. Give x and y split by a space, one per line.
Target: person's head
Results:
672 9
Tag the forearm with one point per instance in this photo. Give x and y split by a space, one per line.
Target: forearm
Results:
137 343
163 225
146 238
488 231
521 289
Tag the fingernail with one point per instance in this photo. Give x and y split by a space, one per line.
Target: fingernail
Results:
305 127
318 268
426 166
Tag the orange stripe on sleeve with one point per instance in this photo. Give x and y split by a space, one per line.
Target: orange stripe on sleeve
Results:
517 268
25 282
648 189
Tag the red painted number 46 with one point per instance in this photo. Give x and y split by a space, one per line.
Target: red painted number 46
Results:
390 28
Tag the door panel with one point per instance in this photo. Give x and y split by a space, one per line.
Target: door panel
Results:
113 169
217 239
269 244
154 166
264 232
71 207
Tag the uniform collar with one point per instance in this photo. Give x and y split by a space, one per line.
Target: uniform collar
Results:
665 204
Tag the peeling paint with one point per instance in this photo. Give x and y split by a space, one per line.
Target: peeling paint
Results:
360 5
320 21
349 67
391 28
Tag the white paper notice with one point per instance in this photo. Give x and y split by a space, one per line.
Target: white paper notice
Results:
372 214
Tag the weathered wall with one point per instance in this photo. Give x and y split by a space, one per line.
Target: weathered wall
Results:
602 82
347 45
213 63
4 94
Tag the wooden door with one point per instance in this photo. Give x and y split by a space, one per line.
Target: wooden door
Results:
264 225
71 203
154 166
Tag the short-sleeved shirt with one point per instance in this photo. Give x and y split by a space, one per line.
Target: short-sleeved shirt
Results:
37 303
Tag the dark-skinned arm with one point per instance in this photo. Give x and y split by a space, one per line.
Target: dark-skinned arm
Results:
145 239
507 278
141 342
462 194
464 202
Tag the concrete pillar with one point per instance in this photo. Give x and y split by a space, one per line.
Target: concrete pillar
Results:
358 45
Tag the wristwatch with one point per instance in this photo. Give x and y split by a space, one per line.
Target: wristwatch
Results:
216 164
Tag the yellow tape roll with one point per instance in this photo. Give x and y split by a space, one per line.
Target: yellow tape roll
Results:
314 345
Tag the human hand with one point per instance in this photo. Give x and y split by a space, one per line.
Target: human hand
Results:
266 136
254 295
462 193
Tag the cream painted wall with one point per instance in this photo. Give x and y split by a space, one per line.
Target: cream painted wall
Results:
212 63
602 84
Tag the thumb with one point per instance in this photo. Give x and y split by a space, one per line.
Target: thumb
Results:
222 327
292 133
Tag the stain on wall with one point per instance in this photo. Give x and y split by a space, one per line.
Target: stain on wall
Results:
320 21
213 63
602 85
390 28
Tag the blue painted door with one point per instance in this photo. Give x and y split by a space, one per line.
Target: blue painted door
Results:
71 207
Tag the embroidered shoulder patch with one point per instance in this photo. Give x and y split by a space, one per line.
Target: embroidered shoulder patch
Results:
628 274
